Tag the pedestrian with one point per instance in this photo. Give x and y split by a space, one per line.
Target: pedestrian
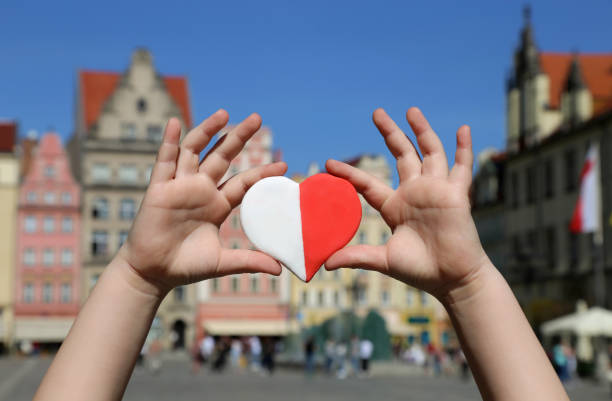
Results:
340 358
269 349
255 353
355 359
174 241
330 349
235 352
365 353
309 353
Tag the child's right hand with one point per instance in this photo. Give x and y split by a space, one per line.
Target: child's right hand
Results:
434 245
175 237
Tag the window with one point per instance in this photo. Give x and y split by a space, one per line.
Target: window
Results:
47 294
66 294
66 224
128 173
549 178
304 297
321 298
336 298
100 172
93 280
123 235
49 171
29 257
28 293
48 224
31 197
66 198
154 133
99 242
141 105
235 284
337 274
48 257
215 285
273 284
532 242
514 192
179 294
128 131
424 298
362 237
127 209
49 198
148 172
254 283
570 170
573 248
384 237
361 296
321 274
66 257
100 209
235 244
409 297
531 184
551 247
385 297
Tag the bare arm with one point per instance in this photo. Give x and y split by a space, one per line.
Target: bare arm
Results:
435 247
173 241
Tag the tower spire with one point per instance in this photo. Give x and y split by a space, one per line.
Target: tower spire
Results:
574 77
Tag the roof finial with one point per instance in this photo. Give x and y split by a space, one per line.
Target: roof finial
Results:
527 13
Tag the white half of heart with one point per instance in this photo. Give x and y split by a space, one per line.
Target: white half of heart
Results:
271 219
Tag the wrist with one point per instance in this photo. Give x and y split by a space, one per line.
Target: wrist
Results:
471 287
121 267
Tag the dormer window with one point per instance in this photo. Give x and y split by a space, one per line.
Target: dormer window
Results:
141 105
49 171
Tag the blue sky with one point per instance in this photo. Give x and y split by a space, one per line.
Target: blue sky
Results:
314 70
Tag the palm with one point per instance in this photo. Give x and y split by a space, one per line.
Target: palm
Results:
174 239
434 238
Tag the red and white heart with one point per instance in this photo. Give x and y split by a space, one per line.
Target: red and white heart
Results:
301 225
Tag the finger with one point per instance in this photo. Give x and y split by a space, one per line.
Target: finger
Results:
217 161
234 261
196 140
408 160
235 188
464 157
373 189
360 256
165 165
434 158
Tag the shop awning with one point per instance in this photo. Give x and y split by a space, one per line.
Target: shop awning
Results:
402 329
243 327
40 329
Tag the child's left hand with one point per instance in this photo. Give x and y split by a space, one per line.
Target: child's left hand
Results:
175 237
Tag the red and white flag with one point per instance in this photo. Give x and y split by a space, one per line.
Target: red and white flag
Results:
587 214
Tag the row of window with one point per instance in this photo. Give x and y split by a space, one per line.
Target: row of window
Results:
321 300
30 224
529 246
254 284
48 257
100 241
100 208
49 197
126 174
130 133
48 296
546 181
363 238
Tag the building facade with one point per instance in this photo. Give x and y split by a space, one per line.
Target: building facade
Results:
408 312
119 122
245 304
9 189
558 105
48 262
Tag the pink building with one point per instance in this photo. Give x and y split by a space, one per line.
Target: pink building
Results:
48 261
245 304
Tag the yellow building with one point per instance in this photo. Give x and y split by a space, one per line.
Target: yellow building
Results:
9 172
407 311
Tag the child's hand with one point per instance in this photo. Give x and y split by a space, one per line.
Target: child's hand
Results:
174 239
434 245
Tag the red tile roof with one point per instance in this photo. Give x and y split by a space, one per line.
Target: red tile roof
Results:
596 72
97 86
8 135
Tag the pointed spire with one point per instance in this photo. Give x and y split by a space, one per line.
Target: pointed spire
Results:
574 77
527 61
